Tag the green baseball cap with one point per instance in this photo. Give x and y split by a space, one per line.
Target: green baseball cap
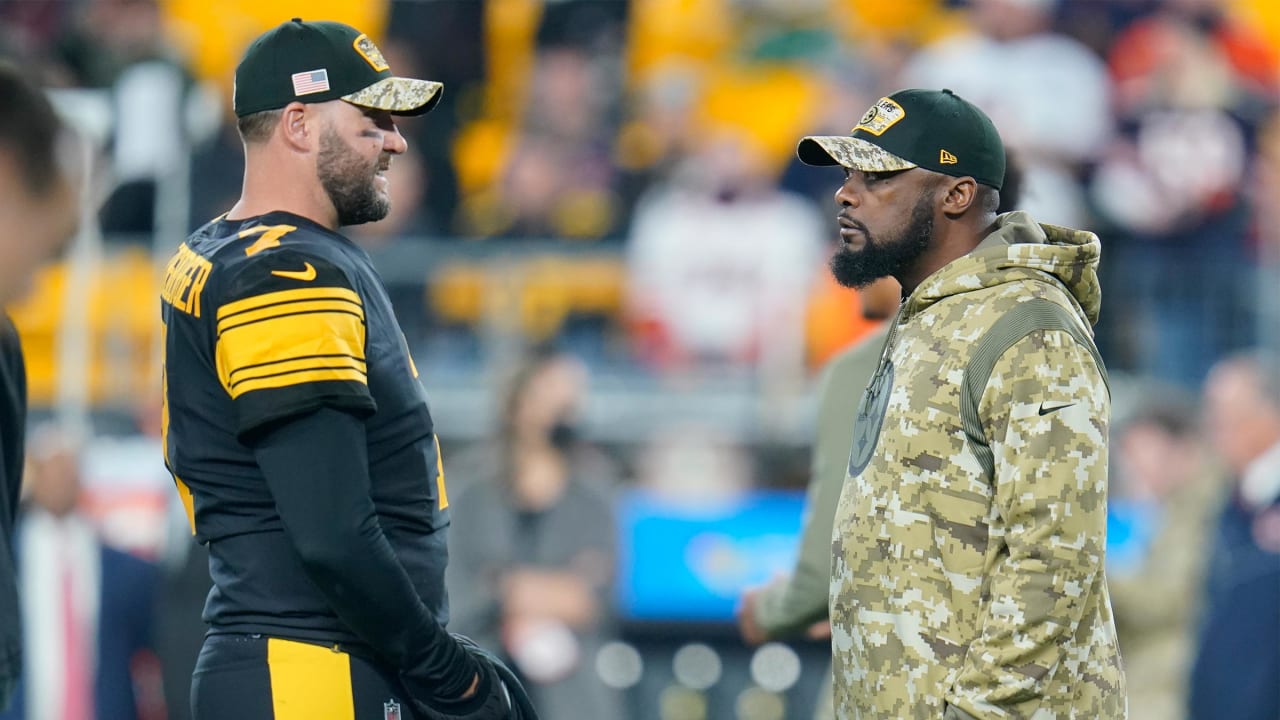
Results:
932 129
314 62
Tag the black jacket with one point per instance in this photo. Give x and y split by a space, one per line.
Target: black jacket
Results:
13 425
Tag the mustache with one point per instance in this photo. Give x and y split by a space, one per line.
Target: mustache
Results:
845 220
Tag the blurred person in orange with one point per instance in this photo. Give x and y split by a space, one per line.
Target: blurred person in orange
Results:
39 213
1237 658
88 608
1159 524
533 564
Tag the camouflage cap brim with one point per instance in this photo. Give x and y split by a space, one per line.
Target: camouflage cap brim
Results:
853 153
400 96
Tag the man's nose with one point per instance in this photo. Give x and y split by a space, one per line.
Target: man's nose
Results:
393 142
846 197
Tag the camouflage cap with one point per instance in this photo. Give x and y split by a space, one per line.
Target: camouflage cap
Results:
313 62
851 152
932 129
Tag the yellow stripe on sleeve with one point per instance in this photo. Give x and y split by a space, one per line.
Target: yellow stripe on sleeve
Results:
309 681
284 296
298 378
289 308
319 342
285 367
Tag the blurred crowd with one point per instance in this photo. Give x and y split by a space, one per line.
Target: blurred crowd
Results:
624 129
618 177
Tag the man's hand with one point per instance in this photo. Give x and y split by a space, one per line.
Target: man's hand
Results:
752 633
495 694
486 698
820 630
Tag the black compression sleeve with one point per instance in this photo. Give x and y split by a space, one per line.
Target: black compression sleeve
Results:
316 467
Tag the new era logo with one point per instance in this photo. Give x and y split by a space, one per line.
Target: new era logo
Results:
947 158
311 81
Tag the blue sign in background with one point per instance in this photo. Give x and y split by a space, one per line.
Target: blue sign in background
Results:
691 563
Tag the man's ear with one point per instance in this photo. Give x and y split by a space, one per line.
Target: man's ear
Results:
298 127
961 194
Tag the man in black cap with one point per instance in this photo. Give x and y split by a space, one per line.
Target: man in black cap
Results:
968 544
295 427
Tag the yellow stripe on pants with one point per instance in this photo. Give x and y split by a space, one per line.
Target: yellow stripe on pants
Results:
309 682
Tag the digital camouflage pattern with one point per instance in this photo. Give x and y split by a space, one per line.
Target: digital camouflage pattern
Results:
398 95
959 591
853 153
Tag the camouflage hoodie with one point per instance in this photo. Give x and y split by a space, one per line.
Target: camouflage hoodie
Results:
967 570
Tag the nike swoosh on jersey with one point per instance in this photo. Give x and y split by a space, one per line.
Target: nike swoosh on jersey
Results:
1046 409
307 274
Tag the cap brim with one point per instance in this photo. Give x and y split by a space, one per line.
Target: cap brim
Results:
853 153
399 96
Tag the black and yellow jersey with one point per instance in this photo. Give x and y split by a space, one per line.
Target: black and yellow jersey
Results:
266 319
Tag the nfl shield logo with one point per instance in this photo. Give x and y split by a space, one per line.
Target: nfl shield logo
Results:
391 710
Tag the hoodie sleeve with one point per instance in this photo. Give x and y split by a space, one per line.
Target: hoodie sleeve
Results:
1045 411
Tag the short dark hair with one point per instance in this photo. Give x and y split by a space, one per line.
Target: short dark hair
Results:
29 130
257 127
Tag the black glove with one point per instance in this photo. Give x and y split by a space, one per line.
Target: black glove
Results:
492 699
517 698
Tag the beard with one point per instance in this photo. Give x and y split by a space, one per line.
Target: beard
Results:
891 255
347 179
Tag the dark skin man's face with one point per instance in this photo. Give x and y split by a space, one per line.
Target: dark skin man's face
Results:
886 224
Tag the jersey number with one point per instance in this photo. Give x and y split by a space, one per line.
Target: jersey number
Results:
271 235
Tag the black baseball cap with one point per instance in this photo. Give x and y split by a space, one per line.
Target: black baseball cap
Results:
314 62
932 129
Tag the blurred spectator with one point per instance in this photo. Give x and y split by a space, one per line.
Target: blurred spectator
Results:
39 210
1172 187
125 487
533 543
88 607
1237 660
217 169
849 87
659 131
720 261
1046 93
445 41
121 46
39 183
789 607
559 179
590 24
1161 512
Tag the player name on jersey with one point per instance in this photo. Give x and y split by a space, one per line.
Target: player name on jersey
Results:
184 280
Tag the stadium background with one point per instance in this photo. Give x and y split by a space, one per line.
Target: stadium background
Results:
617 177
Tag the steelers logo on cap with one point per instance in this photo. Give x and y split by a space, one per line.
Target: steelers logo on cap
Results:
370 53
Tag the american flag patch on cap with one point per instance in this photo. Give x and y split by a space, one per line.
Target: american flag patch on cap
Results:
311 81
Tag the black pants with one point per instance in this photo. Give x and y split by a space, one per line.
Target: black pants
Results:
251 677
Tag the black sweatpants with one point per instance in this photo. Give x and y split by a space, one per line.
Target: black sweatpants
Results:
252 677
